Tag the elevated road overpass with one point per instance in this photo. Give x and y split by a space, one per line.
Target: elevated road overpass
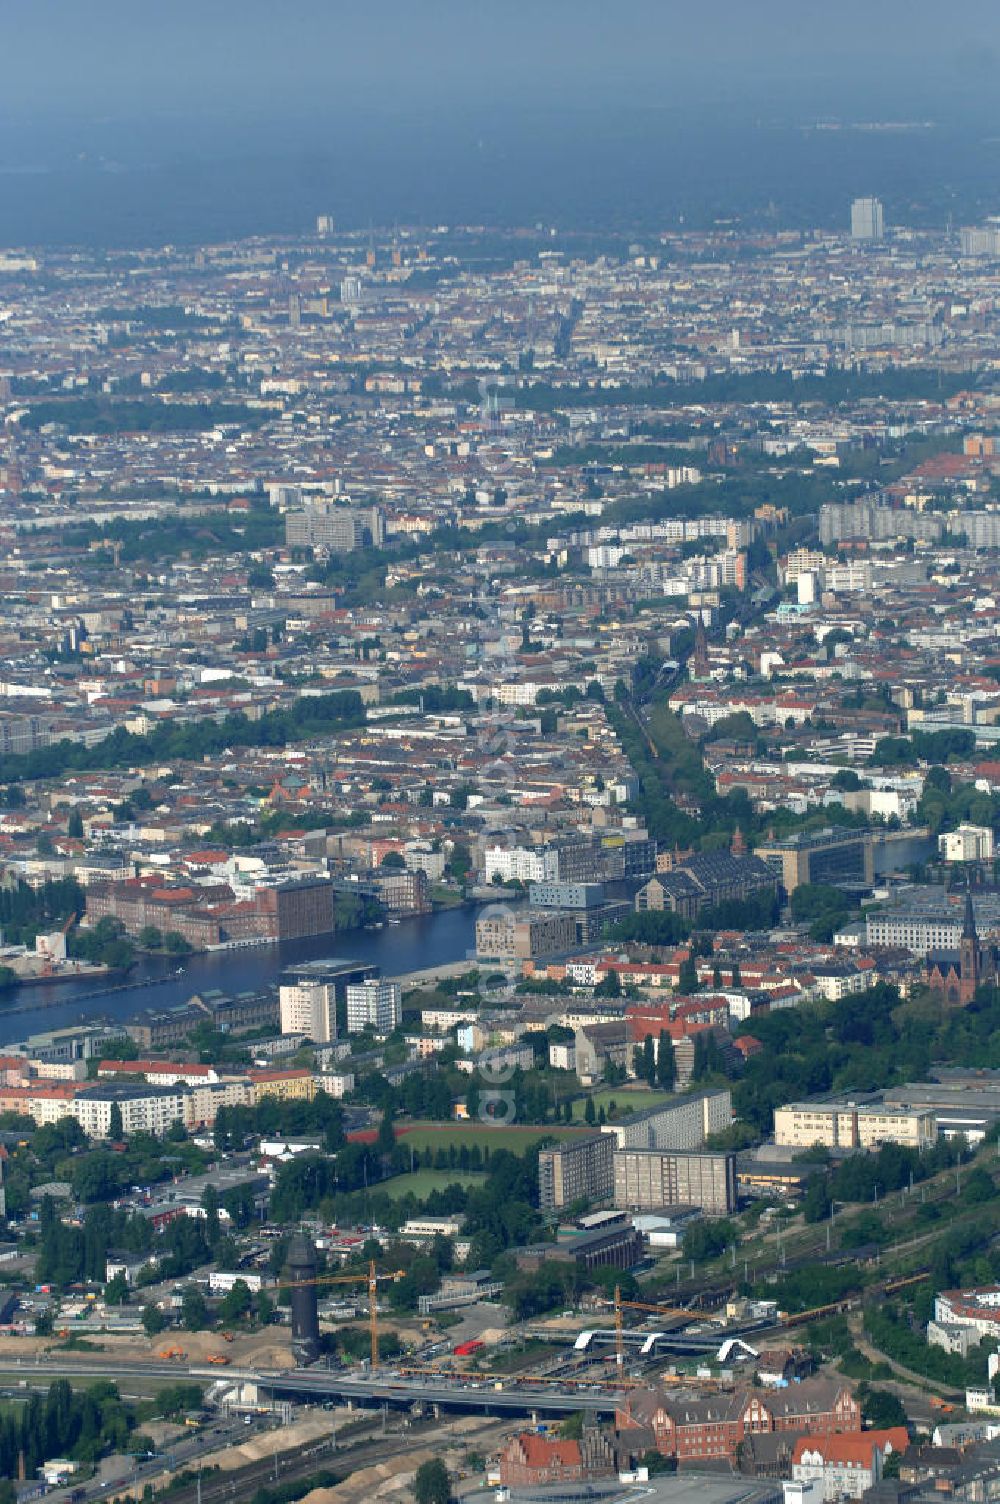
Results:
516 1397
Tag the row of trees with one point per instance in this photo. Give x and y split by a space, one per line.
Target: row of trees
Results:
103 416
26 911
833 386
70 1255
324 1116
83 1425
655 1063
192 741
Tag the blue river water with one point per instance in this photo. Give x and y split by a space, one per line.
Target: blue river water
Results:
427 940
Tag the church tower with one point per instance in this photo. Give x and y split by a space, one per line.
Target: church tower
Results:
969 953
699 659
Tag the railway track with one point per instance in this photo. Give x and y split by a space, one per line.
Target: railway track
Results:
241 1483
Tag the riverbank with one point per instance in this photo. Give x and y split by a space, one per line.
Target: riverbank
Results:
64 971
427 944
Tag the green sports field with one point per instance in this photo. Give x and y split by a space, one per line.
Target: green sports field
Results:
422 1182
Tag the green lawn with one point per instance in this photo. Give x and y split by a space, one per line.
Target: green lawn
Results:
625 1097
422 1182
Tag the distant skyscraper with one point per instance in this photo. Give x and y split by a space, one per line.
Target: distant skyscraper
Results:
324 224
866 219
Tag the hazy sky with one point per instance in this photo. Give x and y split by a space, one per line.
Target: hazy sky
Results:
260 57
139 121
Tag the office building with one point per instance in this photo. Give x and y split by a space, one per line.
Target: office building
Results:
309 1008
646 1179
329 524
617 1245
931 920
579 1169
853 1125
521 864
867 219
374 1004
980 240
704 880
554 895
832 856
502 935
965 1100
694 1428
403 892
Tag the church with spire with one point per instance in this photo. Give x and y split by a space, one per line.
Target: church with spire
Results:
957 974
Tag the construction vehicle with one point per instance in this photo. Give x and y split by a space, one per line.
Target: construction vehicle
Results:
174 1354
218 1358
227 1337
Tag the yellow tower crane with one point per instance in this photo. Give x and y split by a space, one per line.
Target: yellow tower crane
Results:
371 1279
642 1305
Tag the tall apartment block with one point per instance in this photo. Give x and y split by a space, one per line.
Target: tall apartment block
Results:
646 1179
374 1004
582 1167
309 1008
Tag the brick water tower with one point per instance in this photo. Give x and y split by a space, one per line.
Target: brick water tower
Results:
301 1275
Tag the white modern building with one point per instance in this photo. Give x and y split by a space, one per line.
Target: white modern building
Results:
144 1109
679 1123
521 863
309 1008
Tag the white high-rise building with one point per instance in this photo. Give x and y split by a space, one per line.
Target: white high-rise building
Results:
309 1008
969 843
374 1004
867 219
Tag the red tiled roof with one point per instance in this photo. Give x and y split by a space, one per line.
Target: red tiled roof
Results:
542 1451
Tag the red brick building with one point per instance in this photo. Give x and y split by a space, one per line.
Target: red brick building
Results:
529 1459
713 1426
207 914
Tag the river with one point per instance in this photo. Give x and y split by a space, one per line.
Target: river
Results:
426 940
